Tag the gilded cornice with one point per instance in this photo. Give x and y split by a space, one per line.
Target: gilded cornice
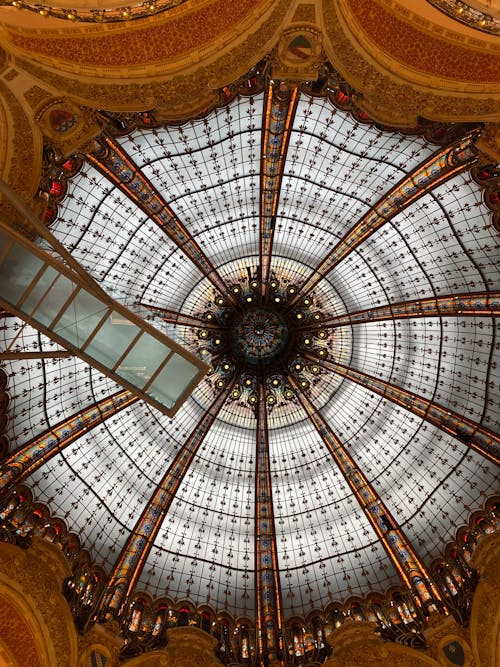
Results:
398 39
389 97
170 42
180 95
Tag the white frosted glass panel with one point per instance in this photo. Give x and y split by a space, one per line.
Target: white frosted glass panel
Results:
112 339
80 318
43 284
17 270
173 380
143 360
58 294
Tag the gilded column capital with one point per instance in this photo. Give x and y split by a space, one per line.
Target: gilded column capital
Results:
187 646
104 639
485 616
486 558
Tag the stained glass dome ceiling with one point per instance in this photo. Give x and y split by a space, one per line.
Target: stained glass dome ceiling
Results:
267 187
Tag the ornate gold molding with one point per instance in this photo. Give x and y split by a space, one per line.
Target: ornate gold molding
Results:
179 95
485 617
36 95
186 647
403 43
66 125
356 644
305 67
36 574
470 16
387 96
446 636
103 639
155 47
305 13
3 59
22 154
118 14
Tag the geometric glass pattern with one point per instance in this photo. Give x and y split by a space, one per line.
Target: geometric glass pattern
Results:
398 219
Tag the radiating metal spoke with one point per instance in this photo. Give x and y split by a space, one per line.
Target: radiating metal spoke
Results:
133 556
477 437
35 453
280 107
440 167
411 569
267 587
112 161
478 304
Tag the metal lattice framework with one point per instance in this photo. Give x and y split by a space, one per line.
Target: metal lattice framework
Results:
340 279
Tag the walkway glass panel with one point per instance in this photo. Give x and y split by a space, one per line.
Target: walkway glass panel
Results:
41 290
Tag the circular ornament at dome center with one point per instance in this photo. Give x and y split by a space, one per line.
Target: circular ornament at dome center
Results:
259 336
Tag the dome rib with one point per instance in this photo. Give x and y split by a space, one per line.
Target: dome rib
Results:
114 163
481 439
284 185
439 168
280 108
132 559
34 454
412 571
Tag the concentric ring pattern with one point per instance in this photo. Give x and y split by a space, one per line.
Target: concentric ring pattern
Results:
334 170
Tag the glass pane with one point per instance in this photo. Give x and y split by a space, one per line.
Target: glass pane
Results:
17 271
38 291
112 339
143 360
55 299
80 318
5 242
173 380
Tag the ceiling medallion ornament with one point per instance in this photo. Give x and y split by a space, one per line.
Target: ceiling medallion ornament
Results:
299 55
259 336
264 335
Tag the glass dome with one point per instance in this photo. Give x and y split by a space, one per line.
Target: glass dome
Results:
330 270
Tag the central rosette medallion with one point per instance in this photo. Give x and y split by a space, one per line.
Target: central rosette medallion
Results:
259 336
